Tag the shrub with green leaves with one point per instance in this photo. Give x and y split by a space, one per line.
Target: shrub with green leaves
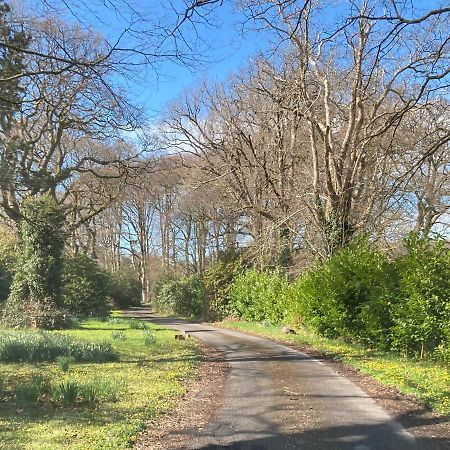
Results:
124 290
184 296
347 295
360 295
218 279
85 286
422 308
34 346
259 296
442 352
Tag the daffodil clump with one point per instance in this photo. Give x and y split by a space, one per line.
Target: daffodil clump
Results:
67 404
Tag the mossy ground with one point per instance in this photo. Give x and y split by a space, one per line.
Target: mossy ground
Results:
429 382
146 379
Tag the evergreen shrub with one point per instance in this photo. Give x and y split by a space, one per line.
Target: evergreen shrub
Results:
124 290
184 296
421 312
218 279
85 286
259 296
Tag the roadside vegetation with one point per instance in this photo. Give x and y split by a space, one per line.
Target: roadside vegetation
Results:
92 386
44 286
70 377
389 317
285 194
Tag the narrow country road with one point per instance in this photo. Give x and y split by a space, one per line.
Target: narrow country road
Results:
279 398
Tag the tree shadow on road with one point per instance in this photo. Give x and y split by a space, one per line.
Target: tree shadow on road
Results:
345 437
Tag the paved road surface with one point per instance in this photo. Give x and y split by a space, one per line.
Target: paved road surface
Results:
276 398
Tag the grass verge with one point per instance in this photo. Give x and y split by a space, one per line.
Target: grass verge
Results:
88 405
429 382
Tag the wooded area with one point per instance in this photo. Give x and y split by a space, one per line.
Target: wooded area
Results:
339 129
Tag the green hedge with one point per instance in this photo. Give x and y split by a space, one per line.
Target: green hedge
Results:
362 296
421 313
347 295
218 280
184 296
85 286
259 296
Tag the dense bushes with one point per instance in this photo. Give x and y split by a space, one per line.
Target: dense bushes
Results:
346 295
218 280
422 311
360 295
259 296
90 290
42 287
85 286
184 296
87 289
124 290
206 296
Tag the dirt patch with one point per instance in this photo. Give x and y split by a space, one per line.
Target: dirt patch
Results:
193 411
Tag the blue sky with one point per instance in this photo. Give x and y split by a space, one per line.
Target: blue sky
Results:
227 48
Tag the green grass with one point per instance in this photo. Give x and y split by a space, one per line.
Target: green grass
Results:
34 346
94 405
429 382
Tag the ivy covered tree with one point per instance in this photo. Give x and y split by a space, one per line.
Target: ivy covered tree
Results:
7 261
36 292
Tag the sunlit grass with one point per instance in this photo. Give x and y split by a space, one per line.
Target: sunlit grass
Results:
429 382
146 380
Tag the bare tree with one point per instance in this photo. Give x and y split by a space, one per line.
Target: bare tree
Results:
355 82
64 126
